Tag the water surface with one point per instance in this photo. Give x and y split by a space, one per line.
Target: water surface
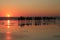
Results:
11 30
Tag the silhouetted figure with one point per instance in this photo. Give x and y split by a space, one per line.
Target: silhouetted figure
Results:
37 18
21 18
29 18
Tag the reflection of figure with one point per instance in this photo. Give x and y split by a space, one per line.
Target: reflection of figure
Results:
21 23
37 22
28 22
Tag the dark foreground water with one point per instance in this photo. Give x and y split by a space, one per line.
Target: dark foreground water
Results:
38 30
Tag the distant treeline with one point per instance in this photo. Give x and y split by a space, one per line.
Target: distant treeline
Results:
29 18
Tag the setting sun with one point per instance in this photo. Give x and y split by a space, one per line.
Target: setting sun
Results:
8 15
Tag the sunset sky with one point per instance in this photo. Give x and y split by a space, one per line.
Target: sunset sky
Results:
29 8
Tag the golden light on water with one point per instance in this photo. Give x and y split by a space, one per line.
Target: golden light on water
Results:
8 35
8 23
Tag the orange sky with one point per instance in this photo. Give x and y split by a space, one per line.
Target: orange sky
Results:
30 7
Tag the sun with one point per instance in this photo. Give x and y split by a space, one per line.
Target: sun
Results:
8 15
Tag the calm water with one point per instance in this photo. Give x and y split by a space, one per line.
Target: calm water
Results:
9 30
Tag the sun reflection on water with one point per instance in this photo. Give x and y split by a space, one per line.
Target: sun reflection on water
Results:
8 33
8 23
